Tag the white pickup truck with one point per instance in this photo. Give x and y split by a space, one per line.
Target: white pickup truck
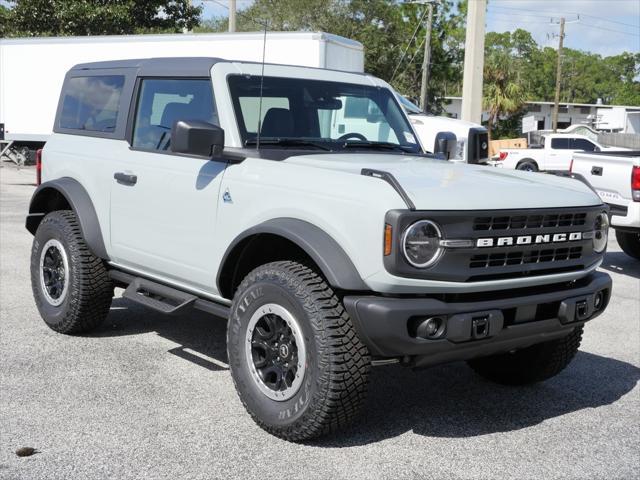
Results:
472 139
554 153
616 178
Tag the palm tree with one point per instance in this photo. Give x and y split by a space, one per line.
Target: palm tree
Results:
503 91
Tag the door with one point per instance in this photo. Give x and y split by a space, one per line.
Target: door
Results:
558 157
163 205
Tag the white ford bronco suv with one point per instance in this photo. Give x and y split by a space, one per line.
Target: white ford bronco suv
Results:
234 188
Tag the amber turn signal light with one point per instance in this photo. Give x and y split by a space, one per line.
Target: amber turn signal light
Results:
388 231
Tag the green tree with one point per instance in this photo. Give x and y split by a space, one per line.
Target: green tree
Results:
98 17
503 91
384 27
4 21
586 76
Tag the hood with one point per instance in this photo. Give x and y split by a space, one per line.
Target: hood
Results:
440 185
428 126
439 120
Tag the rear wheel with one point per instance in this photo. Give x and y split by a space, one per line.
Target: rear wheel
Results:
71 286
629 243
298 366
529 365
527 166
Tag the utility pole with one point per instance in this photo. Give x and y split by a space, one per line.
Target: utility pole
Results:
427 59
556 104
473 62
232 15
185 29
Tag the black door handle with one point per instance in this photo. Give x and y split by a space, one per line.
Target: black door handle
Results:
596 171
125 178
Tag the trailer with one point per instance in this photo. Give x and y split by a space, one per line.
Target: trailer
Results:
32 69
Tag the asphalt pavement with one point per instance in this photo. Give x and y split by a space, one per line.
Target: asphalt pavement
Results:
150 397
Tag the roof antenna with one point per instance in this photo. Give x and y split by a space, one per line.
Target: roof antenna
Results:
264 48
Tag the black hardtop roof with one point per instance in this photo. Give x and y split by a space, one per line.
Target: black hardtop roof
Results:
168 66
171 66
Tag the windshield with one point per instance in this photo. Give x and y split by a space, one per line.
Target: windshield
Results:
303 113
409 106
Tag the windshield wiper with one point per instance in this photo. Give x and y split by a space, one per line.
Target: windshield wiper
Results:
288 142
378 146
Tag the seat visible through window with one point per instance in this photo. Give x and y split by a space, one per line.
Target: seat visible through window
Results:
277 123
162 102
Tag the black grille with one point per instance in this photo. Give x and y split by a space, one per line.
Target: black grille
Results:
504 259
519 222
529 249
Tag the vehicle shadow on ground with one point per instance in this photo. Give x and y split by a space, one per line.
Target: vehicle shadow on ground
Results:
620 262
451 401
448 401
201 337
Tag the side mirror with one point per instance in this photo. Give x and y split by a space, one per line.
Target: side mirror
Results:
196 137
445 145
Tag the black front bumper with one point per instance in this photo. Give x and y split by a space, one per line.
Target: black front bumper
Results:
512 319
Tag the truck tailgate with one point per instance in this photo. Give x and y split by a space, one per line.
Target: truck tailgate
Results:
608 173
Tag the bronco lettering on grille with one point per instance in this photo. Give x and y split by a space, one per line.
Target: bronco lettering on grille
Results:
529 239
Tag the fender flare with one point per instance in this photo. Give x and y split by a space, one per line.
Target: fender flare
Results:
79 201
328 255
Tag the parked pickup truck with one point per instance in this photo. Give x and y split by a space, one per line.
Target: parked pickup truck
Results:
227 186
616 178
553 154
472 139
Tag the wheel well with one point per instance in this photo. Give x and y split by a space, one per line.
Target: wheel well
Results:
47 200
254 251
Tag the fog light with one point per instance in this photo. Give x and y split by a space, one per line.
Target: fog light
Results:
431 328
598 301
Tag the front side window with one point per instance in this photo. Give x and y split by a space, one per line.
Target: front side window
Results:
560 143
162 102
91 103
329 115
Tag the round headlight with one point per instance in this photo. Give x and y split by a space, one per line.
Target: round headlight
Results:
421 244
601 232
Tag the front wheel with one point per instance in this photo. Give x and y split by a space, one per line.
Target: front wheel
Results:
629 243
298 366
529 365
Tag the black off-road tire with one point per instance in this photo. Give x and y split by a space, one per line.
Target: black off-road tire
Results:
90 290
629 243
529 365
334 386
527 166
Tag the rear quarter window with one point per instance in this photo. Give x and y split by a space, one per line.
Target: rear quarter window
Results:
91 103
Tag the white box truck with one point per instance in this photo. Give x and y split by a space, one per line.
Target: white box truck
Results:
32 69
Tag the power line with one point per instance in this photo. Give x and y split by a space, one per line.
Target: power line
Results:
415 32
410 62
263 23
612 21
607 29
604 19
527 22
522 15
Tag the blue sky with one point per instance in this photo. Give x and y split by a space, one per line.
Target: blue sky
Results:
607 27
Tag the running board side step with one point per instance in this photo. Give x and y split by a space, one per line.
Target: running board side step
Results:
164 299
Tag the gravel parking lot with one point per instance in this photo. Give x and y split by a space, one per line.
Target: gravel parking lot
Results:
148 396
